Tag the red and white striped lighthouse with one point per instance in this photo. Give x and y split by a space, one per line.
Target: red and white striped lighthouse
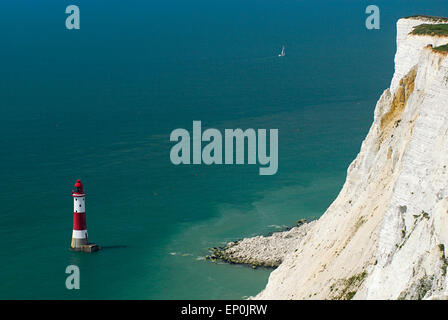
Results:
80 239
79 236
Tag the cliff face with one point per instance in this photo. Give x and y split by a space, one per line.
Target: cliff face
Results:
386 234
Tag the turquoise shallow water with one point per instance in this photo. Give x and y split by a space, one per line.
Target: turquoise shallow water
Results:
99 104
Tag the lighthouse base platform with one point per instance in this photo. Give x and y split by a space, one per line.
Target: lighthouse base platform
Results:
91 247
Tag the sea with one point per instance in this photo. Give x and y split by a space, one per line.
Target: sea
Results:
99 104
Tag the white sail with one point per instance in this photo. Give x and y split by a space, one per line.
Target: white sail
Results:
282 54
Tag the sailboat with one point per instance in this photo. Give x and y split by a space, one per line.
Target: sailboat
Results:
282 54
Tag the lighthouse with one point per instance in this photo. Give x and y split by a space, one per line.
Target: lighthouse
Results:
80 238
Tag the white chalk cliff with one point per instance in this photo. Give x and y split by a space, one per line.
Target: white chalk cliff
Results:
386 234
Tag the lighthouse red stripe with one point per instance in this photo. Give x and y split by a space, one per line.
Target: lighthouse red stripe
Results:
79 221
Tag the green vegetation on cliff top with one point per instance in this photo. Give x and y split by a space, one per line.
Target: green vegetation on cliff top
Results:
431 29
443 48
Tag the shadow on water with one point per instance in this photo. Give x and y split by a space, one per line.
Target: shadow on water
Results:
114 247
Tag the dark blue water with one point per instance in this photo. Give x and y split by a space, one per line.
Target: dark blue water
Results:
99 104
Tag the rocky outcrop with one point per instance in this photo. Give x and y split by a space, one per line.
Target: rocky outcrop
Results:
386 234
263 251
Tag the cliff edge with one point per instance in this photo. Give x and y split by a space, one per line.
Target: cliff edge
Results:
385 236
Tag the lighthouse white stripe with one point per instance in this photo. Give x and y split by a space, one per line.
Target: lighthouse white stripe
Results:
79 234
